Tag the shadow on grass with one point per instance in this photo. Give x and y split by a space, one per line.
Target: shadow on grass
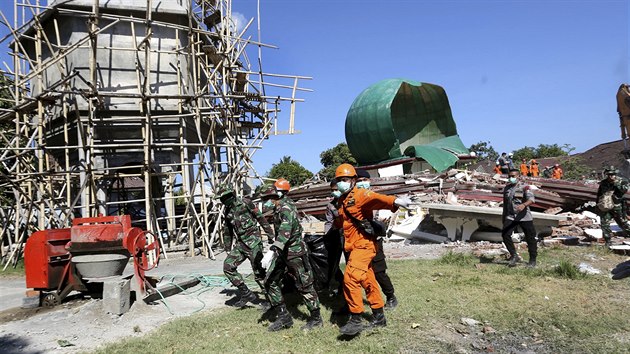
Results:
347 338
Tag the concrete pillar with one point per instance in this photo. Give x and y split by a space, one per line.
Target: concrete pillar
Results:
469 226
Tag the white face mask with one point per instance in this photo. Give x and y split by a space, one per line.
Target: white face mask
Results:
268 204
363 184
343 186
335 194
513 180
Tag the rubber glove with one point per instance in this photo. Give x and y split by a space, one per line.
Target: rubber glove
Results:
403 202
268 258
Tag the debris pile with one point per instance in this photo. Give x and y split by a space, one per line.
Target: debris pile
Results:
571 200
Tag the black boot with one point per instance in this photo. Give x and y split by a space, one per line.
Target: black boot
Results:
246 296
515 258
354 325
314 321
265 305
378 318
283 320
391 302
531 263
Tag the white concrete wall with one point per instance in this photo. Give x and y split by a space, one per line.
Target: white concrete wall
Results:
171 6
116 67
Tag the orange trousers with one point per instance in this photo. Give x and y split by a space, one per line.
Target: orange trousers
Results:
360 275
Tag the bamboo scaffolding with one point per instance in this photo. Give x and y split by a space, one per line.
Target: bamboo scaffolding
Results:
181 118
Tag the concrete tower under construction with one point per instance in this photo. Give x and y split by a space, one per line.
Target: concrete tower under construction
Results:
133 107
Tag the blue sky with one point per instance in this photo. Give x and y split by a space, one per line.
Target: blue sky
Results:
517 73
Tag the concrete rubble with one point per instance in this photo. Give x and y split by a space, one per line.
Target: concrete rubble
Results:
460 205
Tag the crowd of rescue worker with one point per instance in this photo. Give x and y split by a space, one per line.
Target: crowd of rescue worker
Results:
531 168
352 232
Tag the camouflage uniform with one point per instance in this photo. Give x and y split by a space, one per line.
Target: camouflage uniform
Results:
619 187
241 216
292 255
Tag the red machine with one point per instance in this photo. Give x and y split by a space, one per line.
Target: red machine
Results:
50 267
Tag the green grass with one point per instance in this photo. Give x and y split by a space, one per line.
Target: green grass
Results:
13 272
550 309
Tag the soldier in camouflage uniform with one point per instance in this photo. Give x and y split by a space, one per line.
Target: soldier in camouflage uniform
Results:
242 218
288 255
617 186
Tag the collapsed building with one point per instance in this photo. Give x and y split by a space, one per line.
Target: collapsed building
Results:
461 205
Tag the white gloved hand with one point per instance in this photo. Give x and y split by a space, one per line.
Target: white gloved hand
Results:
403 202
267 259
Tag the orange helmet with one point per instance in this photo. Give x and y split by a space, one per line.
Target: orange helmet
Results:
282 184
345 170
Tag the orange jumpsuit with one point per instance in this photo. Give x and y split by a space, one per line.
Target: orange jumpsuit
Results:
557 173
524 169
497 170
360 203
534 170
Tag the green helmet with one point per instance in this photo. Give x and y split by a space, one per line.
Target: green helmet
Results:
222 190
267 191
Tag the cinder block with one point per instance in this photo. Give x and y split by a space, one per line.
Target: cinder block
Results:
30 302
116 296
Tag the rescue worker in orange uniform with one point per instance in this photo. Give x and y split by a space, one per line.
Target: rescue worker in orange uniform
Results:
533 169
524 168
356 206
497 169
557 172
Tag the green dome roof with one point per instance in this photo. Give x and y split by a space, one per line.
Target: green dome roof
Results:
394 114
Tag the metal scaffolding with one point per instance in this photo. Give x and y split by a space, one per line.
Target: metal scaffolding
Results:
134 107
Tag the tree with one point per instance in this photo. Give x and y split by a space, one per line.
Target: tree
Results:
526 153
291 170
574 168
334 157
544 150
484 151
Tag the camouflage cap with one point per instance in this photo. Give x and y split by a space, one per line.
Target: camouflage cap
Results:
222 190
611 170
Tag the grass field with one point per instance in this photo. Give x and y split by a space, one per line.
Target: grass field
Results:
551 309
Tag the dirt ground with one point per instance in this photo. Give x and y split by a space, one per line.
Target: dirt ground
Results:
82 324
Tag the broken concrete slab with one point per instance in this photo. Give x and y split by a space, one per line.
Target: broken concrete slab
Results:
621 249
554 211
457 219
595 234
